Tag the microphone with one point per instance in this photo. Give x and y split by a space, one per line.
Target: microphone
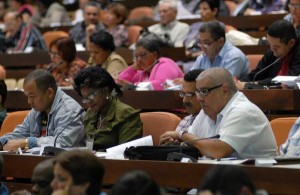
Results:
53 150
55 65
262 70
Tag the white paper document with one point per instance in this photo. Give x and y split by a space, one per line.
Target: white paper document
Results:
290 81
119 150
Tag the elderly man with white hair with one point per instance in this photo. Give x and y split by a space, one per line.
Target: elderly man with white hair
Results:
169 28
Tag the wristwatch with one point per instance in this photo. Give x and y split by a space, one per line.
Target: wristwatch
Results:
26 145
181 132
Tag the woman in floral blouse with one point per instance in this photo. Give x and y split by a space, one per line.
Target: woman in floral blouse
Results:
65 65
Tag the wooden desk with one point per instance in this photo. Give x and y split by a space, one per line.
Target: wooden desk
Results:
168 174
266 100
19 65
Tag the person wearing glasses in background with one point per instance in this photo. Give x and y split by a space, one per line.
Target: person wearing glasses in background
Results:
242 128
217 52
190 103
149 66
294 15
108 121
65 63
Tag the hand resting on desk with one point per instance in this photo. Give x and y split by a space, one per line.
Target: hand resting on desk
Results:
169 138
14 144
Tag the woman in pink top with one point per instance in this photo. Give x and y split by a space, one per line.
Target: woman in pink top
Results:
149 66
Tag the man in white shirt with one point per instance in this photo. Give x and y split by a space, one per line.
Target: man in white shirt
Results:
169 29
244 130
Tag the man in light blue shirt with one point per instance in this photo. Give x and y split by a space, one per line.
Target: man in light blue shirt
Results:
291 148
55 118
217 52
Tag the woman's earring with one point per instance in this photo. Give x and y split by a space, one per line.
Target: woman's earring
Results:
107 97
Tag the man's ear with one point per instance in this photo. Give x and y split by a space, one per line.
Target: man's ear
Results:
221 40
225 88
215 11
292 42
50 92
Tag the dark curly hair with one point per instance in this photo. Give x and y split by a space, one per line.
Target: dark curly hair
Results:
95 78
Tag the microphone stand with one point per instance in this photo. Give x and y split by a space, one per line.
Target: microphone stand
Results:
53 150
265 68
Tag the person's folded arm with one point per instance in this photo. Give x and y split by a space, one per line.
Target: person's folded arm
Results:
211 148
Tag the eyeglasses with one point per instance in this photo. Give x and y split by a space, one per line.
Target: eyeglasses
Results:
90 97
205 45
296 6
54 54
141 56
188 95
205 91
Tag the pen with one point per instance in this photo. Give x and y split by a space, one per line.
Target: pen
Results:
224 159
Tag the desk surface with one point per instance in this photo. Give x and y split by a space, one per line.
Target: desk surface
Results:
169 174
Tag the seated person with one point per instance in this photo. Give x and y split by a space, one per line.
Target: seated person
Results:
227 180
218 52
54 116
41 178
169 29
17 32
291 148
190 102
135 182
81 31
65 63
209 10
108 120
49 13
113 21
282 59
25 10
294 14
244 130
78 15
77 172
149 66
102 51
3 95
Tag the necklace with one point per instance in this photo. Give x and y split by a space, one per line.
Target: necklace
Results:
100 122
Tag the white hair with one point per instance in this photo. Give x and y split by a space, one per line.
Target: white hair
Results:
172 3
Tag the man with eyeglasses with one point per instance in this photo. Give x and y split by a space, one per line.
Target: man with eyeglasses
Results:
55 118
217 52
190 103
242 128
169 29
294 15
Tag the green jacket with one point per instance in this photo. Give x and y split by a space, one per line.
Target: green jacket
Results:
121 124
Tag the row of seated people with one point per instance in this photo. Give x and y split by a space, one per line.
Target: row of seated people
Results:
239 68
149 66
226 114
169 27
83 173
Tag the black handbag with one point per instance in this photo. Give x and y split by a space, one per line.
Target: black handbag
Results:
161 152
